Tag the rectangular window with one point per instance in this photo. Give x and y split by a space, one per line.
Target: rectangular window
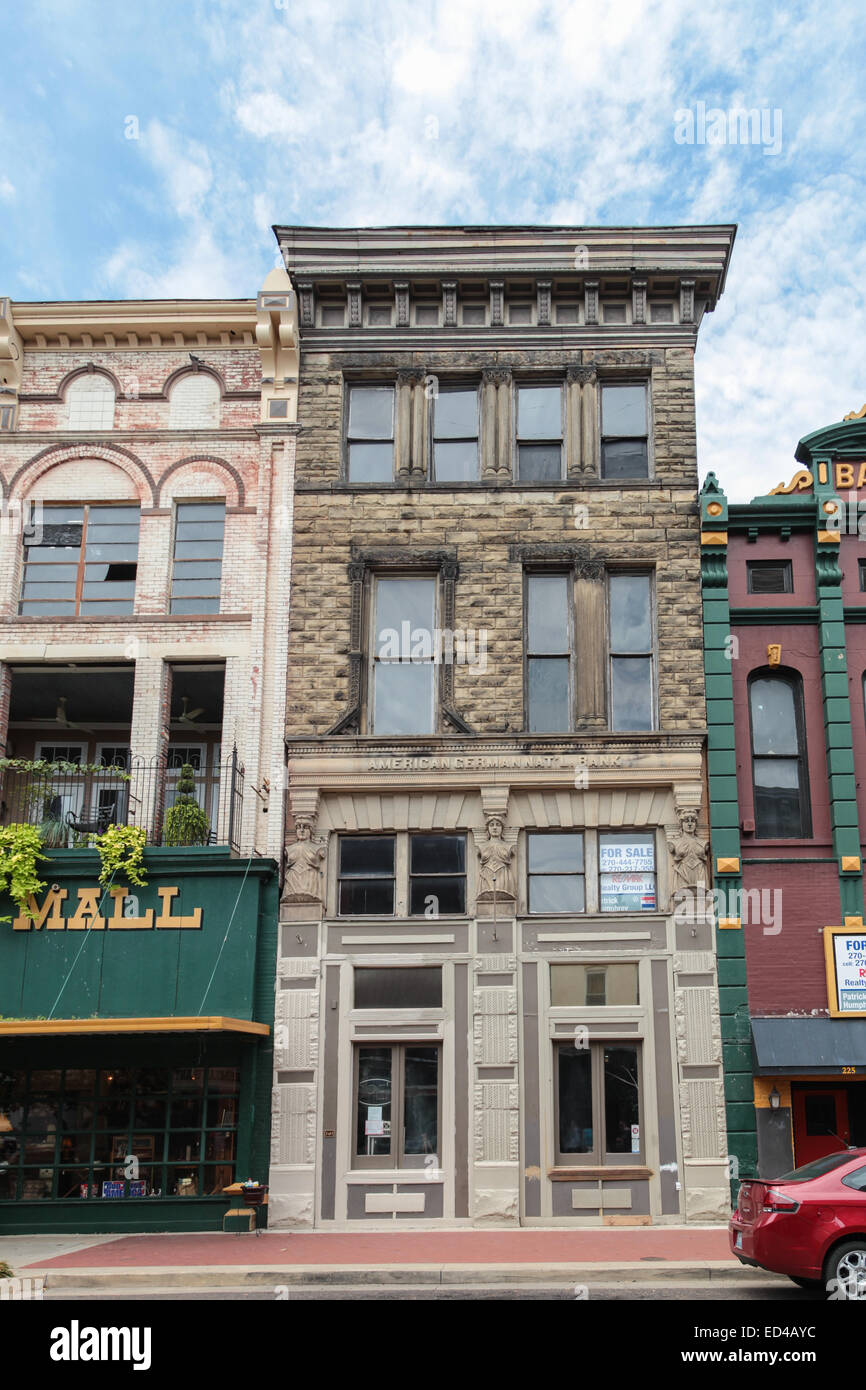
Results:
74 1130
85 562
631 652
7 417
555 872
598 1094
366 876
437 875
861 565
539 434
198 557
769 577
371 434
397 1117
403 694
393 987
455 436
627 872
624 432
579 986
548 653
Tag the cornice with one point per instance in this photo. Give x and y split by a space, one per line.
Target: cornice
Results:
162 317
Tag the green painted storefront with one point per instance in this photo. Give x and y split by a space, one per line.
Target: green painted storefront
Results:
136 1044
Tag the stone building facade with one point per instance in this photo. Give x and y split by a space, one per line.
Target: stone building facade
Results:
496 1002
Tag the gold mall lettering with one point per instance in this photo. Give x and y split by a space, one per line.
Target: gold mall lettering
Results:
92 912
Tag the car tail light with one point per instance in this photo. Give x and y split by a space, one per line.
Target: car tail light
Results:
779 1201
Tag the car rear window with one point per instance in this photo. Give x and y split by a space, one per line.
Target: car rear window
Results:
817 1168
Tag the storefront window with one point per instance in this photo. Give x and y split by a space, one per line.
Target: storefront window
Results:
597 1103
575 985
126 1132
396 1105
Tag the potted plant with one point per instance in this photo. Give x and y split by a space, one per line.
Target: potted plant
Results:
185 822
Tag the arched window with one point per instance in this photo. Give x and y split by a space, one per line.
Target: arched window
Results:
90 399
195 403
779 757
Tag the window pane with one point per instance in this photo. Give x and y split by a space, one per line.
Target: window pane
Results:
405 600
362 855
539 412
549 703
198 569
374 1101
774 723
623 410
555 854
580 985
539 463
456 415
403 698
41 590
778 813
630 616
421 1101
625 458
195 605
631 693
398 988
448 895
437 854
455 463
367 897
200 530
621 1100
201 511
202 587
547 613
197 550
371 463
371 412
575 1100
556 893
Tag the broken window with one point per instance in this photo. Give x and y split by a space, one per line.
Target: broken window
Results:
83 562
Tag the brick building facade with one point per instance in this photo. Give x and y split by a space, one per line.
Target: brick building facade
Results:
146 469
784 590
490 1007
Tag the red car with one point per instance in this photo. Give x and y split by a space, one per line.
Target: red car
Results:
809 1224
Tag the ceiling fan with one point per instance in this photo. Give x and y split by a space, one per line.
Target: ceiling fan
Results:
187 715
61 718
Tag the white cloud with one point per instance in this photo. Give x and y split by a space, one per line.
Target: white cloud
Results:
7 188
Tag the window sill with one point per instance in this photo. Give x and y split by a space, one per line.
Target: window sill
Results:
594 1172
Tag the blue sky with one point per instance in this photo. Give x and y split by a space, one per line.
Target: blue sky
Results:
346 112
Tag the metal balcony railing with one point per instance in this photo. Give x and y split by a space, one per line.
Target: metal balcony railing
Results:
72 804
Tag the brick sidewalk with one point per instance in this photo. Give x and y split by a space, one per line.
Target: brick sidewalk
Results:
402 1248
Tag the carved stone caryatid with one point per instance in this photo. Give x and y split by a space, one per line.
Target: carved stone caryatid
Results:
303 881
688 853
495 863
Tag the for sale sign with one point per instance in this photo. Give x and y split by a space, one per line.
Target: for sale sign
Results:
846 970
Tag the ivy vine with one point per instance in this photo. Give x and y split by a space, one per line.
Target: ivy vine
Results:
121 851
20 852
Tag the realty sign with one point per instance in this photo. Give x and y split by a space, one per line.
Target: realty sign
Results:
846 970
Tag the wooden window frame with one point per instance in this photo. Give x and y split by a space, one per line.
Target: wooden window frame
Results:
598 1157
794 681
396 1160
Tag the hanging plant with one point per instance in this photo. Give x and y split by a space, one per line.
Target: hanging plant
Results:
121 851
20 851
185 822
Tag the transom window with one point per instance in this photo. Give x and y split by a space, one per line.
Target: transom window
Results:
598 1103
396 987
371 434
72 1132
85 562
198 557
593 986
397 1104
539 433
631 652
548 653
779 757
455 436
624 431
403 685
